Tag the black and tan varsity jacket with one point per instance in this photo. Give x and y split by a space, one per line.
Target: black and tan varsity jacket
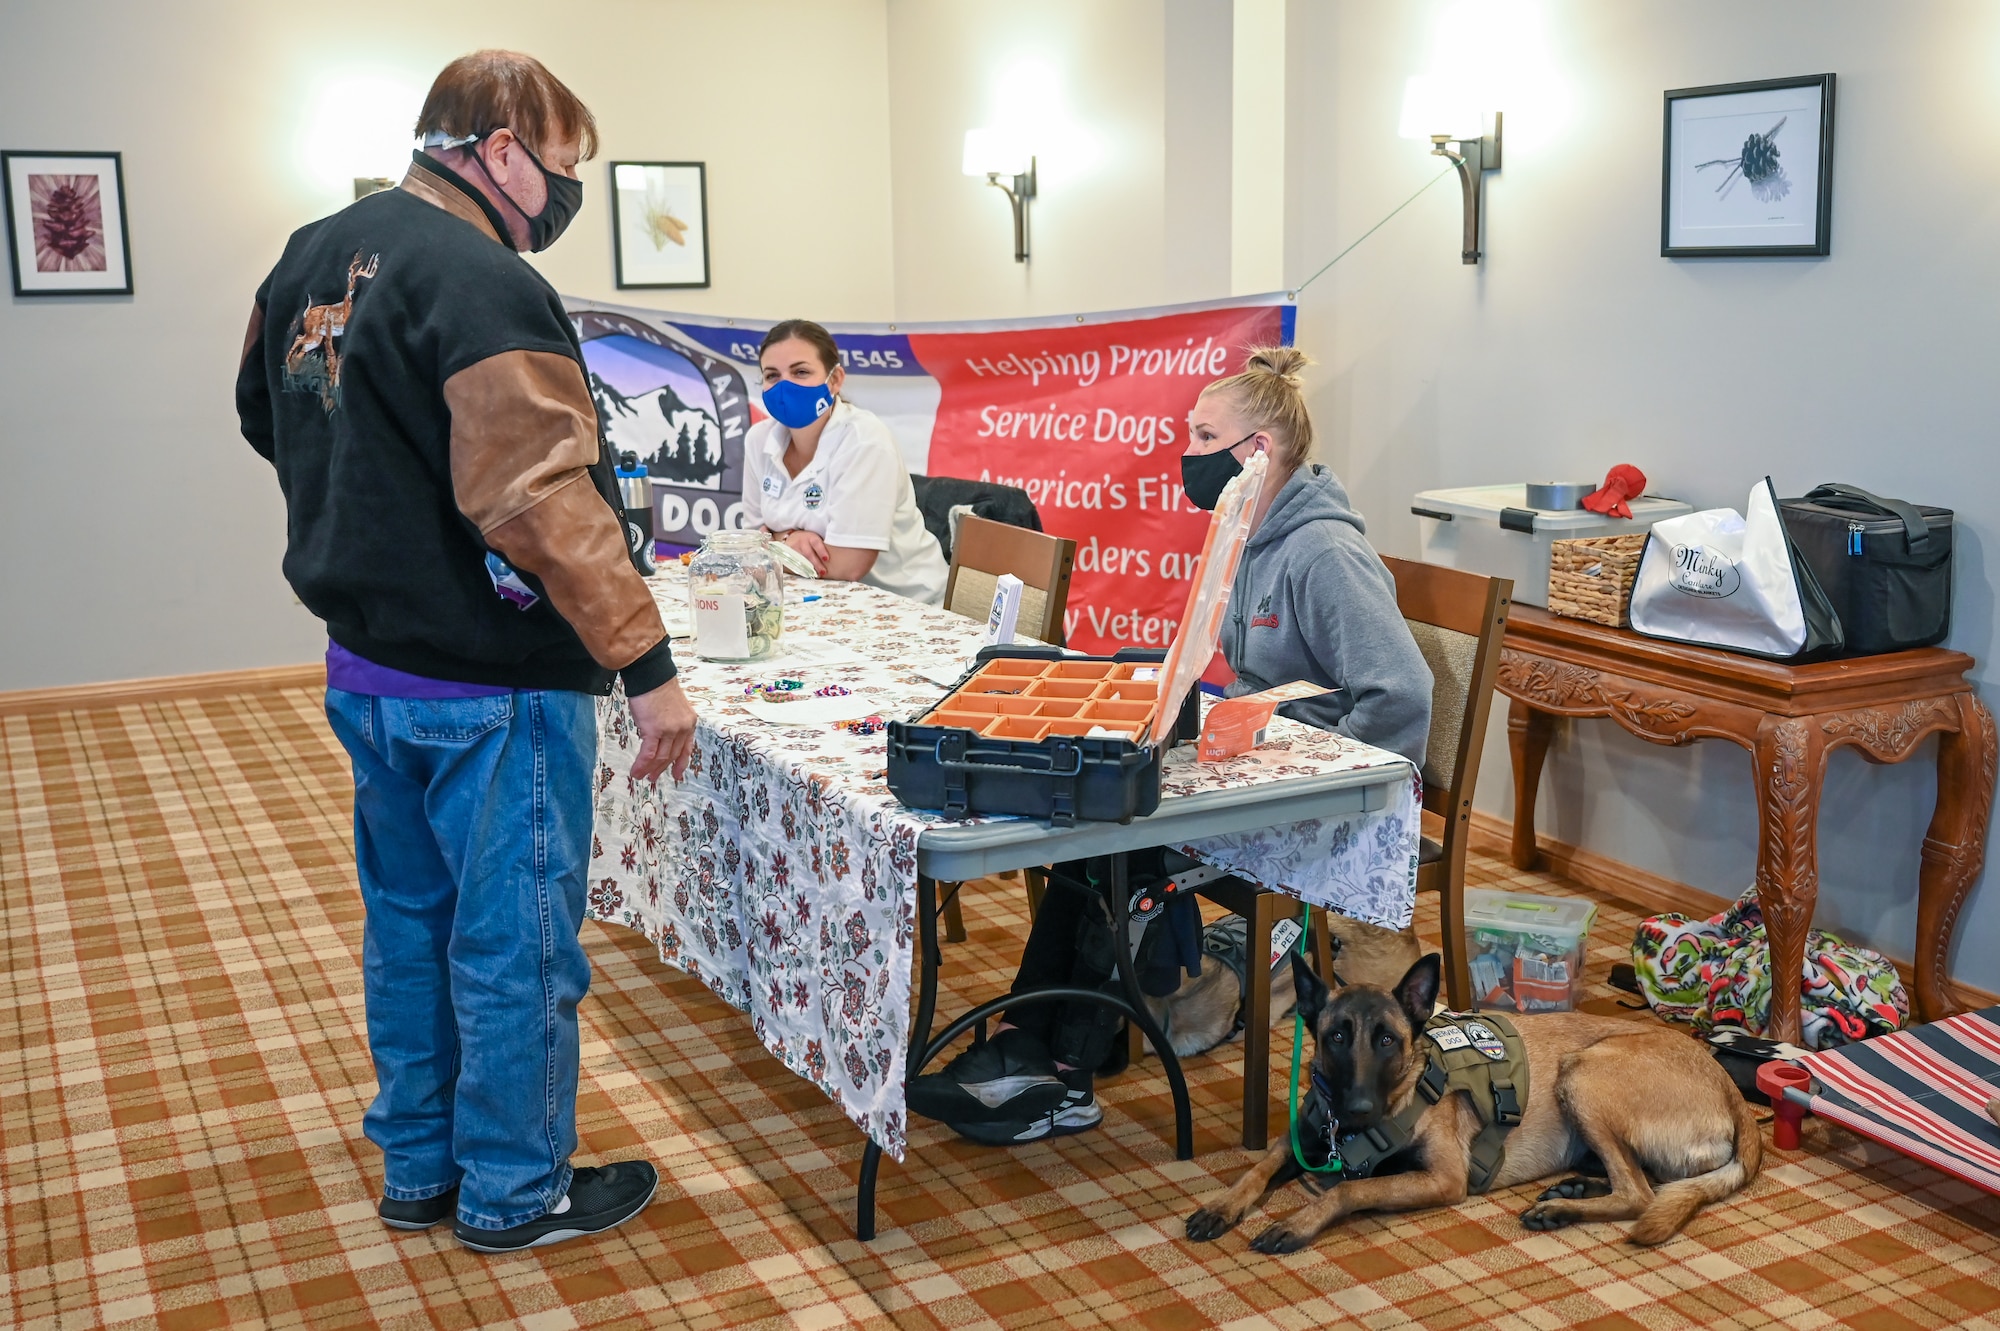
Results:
421 393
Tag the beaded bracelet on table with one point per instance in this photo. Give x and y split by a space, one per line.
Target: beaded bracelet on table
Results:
790 690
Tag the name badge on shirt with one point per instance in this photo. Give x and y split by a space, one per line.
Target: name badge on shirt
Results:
773 486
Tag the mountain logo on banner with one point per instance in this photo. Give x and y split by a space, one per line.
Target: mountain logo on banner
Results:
683 410
678 442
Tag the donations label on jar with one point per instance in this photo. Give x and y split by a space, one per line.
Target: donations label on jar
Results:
722 625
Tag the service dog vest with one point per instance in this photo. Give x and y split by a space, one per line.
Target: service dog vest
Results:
1480 1054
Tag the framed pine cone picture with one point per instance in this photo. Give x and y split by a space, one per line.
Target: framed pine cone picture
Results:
66 223
1748 170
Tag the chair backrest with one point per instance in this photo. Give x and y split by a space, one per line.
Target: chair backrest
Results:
985 549
941 498
1458 620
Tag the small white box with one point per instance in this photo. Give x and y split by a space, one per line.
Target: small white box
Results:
1490 529
1006 611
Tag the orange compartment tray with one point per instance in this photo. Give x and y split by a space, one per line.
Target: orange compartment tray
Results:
1083 726
1018 727
989 703
1012 668
973 721
1062 688
1030 700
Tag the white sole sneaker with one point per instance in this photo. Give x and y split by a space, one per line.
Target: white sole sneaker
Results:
1074 1115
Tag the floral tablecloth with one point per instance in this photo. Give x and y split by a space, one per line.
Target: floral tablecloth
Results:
782 873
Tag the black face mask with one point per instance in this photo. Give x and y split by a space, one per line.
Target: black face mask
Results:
1203 475
564 201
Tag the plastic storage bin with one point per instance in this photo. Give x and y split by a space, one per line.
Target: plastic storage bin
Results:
1490 529
1526 952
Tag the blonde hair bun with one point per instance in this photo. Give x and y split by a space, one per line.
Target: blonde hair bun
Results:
1285 362
1268 397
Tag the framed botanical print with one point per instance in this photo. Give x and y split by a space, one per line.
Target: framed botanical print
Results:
66 231
1749 169
659 224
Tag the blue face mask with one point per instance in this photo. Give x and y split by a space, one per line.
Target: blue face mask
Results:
796 406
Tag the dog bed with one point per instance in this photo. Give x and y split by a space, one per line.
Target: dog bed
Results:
1923 1092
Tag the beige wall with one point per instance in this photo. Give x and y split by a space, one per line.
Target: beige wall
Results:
138 534
1575 345
1087 82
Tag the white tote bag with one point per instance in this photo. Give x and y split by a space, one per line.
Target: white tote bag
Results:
1719 578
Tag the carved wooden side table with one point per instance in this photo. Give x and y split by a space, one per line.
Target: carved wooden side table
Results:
1790 718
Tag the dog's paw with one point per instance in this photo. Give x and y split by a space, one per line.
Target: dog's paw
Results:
1278 1240
1205 1224
1548 1215
1577 1187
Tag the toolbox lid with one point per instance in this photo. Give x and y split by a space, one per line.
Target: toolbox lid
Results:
1484 502
1525 913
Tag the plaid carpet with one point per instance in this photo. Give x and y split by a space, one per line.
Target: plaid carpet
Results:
183 1070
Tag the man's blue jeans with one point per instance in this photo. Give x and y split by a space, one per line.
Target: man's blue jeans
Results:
472 837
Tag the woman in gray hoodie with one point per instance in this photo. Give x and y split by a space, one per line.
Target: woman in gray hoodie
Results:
1313 601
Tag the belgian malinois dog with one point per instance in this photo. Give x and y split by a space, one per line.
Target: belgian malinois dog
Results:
1670 1128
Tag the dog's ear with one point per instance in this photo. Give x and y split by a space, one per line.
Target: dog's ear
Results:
1311 990
1417 991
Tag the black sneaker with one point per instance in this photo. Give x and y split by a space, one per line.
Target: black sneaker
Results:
600 1197
1079 1112
1006 1079
418 1215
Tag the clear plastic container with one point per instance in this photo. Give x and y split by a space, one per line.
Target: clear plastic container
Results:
736 591
1526 952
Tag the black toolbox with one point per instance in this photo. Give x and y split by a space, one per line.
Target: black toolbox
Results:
1036 764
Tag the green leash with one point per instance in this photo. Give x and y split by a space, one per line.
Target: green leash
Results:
1333 1165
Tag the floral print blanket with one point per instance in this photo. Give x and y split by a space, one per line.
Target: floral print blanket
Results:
1717 972
782 873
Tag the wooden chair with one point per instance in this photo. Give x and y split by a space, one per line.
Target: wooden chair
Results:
1458 619
984 549
981 552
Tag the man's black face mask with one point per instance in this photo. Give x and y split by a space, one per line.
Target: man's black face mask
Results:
564 201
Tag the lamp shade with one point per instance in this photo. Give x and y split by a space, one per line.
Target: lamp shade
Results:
1433 105
993 152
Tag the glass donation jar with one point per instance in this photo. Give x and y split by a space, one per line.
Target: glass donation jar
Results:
737 593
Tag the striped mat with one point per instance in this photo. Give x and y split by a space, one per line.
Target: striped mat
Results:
1923 1092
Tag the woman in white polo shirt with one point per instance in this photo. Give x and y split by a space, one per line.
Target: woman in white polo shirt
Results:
825 476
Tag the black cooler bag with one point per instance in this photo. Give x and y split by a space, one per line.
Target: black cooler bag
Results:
1885 565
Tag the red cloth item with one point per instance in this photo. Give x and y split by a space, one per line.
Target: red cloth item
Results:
1621 483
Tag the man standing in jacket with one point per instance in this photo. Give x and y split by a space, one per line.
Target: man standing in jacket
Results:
453 520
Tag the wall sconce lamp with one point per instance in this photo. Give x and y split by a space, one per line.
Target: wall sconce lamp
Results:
1474 156
993 154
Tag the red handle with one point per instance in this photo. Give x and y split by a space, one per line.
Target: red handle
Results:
1772 1080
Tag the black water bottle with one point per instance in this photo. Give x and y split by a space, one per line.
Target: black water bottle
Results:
635 490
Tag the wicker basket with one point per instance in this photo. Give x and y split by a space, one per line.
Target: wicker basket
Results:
1591 577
